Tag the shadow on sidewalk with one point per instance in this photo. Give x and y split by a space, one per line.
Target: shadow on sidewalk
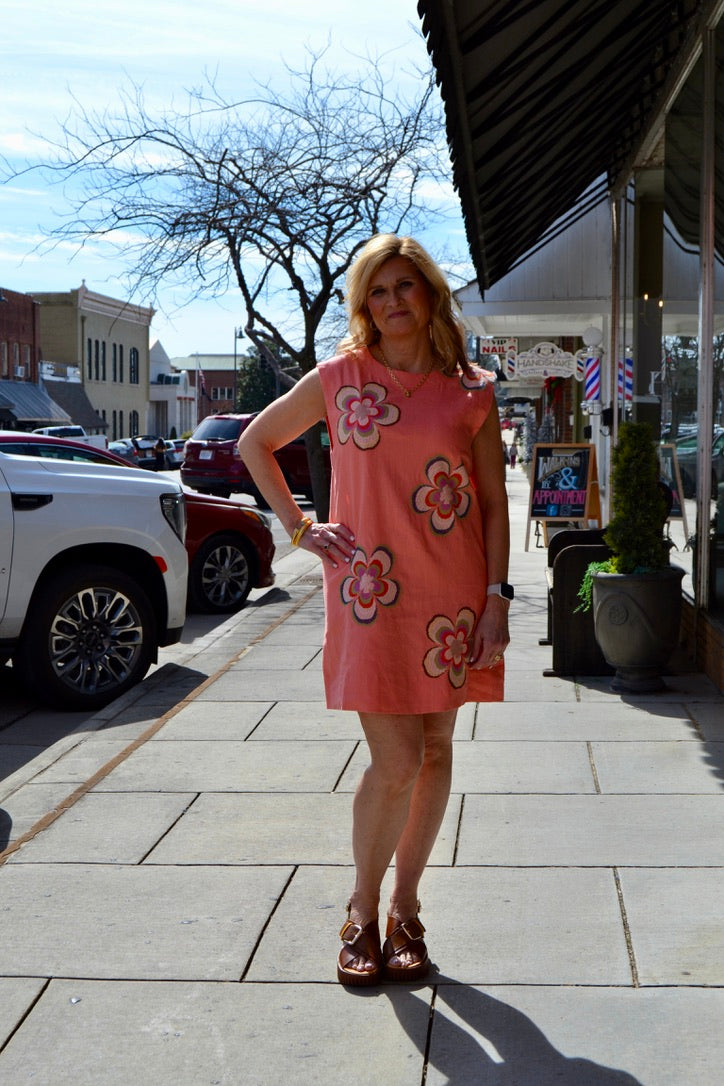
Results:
498 1045
6 825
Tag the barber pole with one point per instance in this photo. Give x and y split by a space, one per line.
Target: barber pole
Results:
625 380
593 378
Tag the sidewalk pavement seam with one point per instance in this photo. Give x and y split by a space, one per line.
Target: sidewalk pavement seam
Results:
141 740
626 930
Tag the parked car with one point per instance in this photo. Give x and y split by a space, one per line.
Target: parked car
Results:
230 546
145 446
94 573
212 463
76 432
686 456
126 449
175 453
141 451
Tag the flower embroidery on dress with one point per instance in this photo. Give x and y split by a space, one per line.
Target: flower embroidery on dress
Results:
362 412
369 584
452 642
477 379
445 496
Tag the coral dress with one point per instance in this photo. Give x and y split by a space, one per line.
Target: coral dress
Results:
400 616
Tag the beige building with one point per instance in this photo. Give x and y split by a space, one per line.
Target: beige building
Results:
108 340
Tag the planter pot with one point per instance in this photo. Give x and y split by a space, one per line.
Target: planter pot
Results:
636 621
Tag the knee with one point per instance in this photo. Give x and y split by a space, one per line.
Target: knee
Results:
398 773
438 751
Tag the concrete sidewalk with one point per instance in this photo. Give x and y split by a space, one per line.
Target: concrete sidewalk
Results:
171 913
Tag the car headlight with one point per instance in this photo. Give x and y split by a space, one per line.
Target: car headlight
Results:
262 518
173 507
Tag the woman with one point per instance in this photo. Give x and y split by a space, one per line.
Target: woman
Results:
415 560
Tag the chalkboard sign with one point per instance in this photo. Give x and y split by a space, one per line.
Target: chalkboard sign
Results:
563 486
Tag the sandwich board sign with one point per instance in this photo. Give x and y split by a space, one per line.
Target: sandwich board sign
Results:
563 487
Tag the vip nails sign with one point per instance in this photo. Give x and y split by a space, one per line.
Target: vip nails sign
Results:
506 349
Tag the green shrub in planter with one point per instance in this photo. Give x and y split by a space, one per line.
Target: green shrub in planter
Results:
636 596
635 532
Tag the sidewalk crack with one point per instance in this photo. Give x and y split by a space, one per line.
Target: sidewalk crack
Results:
594 771
626 930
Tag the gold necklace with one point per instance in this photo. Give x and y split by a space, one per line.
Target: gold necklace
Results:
405 391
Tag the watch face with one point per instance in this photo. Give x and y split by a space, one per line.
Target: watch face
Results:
507 591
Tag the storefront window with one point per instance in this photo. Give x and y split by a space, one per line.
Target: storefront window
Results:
680 357
716 561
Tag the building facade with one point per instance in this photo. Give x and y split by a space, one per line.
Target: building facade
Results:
24 404
108 340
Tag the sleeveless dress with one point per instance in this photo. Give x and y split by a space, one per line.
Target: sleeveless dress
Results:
400 616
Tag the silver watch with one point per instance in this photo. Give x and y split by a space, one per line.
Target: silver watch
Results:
502 589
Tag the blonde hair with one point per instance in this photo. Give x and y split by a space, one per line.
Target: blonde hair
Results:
447 338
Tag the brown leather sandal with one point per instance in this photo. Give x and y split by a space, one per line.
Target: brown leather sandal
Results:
361 945
405 937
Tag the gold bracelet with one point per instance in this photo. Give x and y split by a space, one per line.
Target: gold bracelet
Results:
300 529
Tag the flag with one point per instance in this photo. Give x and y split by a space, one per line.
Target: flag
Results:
202 383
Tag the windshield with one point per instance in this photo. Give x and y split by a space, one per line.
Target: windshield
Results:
214 429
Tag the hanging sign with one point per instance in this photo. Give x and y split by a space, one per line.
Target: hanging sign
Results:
563 487
548 360
505 347
500 345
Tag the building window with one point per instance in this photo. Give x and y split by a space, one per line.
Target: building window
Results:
90 358
114 431
221 393
97 360
133 423
120 424
133 366
103 360
120 363
114 363
3 359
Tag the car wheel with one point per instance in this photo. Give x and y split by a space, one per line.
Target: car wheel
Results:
220 576
90 635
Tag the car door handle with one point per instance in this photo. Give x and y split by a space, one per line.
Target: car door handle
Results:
25 502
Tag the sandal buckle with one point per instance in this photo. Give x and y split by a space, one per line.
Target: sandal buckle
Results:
409 926
346 927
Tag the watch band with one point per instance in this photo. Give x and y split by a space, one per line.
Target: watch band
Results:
502 589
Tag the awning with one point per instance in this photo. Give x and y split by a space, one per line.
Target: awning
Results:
21 402
542 98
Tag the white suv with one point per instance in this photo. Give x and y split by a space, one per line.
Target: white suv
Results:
93 573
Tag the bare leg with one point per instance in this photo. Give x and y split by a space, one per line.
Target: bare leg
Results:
382 802
427 808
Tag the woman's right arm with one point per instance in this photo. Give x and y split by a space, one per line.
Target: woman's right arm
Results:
278 424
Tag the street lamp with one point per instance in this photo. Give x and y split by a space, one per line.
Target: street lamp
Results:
238 334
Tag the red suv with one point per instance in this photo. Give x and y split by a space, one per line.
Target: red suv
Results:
212 462
230 546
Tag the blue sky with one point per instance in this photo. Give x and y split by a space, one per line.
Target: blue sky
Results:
51 53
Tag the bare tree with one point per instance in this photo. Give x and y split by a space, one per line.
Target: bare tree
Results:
274 195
